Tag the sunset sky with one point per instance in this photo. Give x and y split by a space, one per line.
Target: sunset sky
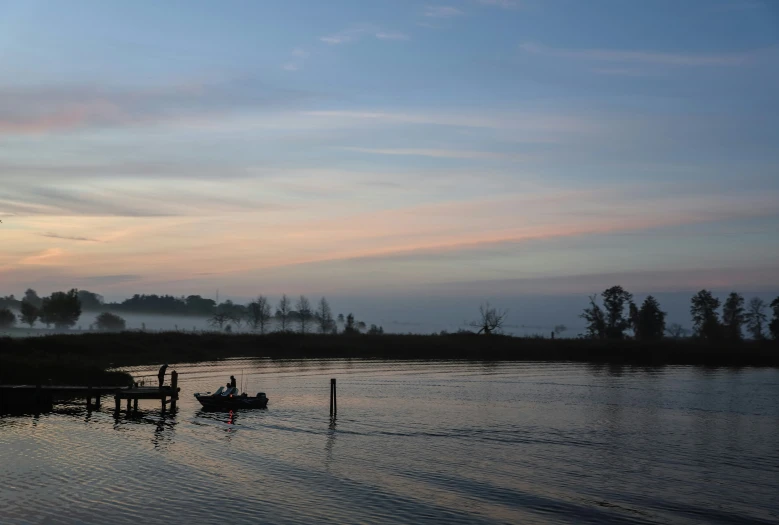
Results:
388 147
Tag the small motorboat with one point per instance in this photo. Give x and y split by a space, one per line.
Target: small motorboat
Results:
230 398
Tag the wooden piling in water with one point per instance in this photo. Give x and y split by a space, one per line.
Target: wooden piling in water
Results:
174 384
333 400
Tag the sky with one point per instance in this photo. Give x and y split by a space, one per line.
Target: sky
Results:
389 148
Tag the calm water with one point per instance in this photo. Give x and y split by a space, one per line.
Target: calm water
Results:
413 442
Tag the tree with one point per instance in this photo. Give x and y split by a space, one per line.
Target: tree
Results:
341 318
259 313
596 320
282 312
61 309
676 331
773 327
219 319
31 296
350 327
733 317
324 316
90 301
614 301
109 322
29 313
559 329
490 319
755 318
7 318
650 320
376 330
705 320
304 313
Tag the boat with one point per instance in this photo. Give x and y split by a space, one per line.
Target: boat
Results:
230 398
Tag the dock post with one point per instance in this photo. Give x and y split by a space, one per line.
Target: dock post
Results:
89 397
333 401
135 405
174 384
118 403
128 404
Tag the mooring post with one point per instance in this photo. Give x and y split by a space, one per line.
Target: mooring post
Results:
135 405
118 401
128 404
89 397
174 387
333 401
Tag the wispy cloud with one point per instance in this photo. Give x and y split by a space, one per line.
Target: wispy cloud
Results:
290 66
505 4
67 237
48 256
642 57
392 36
442 11
438 153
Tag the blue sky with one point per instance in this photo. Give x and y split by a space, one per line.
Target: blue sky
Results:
389 147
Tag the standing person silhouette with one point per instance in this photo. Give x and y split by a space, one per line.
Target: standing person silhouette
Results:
232 381
161 374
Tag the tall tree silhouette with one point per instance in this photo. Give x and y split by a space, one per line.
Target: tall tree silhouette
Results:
282 312
596 319
7 318
62 309
774 326
29 313
755 318
490 319
31 296
733 317
614 301
705 319
258 313
324 316
650 320
304 313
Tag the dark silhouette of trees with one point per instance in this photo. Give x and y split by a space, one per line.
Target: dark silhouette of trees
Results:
649 320
350 327
676 331
62 309
10 301
614 301
31 296
773 327
705 319
29 313
283 311
304 313
7 318
258 313
376 330
341 318
90 301
596 319
733 317
108 322
219 319
324 317
755 318
490 319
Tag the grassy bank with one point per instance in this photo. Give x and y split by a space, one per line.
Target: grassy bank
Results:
85 357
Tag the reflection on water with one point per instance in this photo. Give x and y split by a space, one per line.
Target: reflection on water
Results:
439 442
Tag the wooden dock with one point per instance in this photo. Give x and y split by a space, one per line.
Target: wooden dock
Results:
43 397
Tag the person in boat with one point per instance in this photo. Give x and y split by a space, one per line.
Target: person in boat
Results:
232 381
161 374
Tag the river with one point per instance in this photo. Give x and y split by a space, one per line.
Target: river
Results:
413 442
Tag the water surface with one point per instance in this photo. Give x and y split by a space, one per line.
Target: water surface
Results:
413 442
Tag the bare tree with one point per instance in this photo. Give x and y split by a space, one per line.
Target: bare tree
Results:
491 319
324 316
676 331
282 312
304 313
219 319
756 318
559 329
259 313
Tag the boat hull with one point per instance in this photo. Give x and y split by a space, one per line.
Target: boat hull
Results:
232 402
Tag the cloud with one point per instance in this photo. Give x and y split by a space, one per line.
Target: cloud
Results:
49 256
505 4
641 57
35 110
392 36
67 237
442 11
438 153
290 67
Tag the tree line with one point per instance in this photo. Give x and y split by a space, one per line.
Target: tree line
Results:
63 310
619 315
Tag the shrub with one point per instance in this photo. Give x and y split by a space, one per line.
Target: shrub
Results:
109 322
